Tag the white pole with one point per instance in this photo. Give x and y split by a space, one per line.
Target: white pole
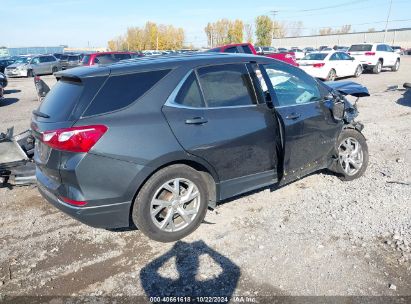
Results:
388 18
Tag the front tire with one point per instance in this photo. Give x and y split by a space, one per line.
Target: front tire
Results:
352 150
30 73
396 67
54 70
171 204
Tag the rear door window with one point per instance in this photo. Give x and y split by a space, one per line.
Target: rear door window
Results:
247 49
227 86
380 48
121 91
122 56
231 50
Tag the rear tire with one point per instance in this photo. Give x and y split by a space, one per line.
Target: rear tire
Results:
396 67
163 209
377 68
30 73
54 70
352 151
332 75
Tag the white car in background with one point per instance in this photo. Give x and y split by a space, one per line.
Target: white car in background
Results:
299 54
375 56
330 66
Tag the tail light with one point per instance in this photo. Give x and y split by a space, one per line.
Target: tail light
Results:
318 65
73 202
369 53
76 139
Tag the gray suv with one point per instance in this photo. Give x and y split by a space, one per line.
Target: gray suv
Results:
28 66
157 141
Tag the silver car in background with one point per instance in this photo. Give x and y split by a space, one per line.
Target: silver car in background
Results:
28 66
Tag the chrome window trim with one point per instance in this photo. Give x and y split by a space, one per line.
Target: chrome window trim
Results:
170 102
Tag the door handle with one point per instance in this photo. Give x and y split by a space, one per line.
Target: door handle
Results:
196 121
293 116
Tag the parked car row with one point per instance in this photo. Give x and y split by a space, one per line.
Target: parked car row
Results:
248 48
28 66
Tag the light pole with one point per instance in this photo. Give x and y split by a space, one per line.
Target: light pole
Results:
273 13
388 18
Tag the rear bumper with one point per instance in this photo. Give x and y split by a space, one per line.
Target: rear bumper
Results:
315 72
105 216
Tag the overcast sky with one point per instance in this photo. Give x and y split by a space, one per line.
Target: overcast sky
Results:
79 23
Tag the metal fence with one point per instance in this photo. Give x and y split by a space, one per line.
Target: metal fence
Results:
32 50
400 37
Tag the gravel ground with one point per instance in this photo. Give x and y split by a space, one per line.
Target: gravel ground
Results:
316 237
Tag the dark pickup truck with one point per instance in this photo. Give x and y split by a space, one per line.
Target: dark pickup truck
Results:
248 48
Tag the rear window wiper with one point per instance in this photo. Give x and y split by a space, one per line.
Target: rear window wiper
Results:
40 114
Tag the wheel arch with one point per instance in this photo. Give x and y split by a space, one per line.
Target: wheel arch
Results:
208 173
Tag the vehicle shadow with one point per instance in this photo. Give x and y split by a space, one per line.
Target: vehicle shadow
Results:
8 101
11 91
405 100
188 281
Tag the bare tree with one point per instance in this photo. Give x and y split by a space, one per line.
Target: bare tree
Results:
248 32
295 29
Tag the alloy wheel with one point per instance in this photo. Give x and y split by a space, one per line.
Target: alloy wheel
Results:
175 205
358 71
332 75
351 156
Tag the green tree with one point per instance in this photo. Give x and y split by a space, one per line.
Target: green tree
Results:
151 36
264 30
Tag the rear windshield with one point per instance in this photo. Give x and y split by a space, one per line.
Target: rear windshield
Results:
104 59
315 56
73 58
63 57
86 59
121 91
360 48
61 100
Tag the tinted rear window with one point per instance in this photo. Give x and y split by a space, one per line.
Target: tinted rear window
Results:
61 100
120 91
190 94
360 48
86 59
315 56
